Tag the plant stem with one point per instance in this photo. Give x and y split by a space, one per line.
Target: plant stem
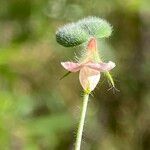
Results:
81 123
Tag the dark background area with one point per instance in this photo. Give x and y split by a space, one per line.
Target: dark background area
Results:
40 112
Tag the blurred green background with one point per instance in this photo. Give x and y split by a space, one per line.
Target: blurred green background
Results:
40 112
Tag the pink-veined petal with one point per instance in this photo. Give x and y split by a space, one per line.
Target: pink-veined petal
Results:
70 66
102 67
92 45
89 78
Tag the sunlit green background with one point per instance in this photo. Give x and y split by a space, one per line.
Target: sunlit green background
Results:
40 112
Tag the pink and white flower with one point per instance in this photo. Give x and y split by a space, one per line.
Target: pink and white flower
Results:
89 69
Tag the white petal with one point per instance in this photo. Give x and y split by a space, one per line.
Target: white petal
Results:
89 78
101 66
70 66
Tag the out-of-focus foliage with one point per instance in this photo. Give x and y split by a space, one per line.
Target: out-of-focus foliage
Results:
40 112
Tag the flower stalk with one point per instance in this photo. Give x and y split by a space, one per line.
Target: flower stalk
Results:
82 121
90 66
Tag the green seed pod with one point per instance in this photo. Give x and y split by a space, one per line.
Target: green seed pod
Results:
96 27
77 33
71 35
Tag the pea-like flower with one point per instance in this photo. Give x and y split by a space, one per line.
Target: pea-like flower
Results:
90 67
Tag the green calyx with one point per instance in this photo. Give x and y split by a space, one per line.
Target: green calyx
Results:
77 33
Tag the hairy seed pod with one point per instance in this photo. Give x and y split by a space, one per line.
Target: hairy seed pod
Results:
96 27
71 35
77 33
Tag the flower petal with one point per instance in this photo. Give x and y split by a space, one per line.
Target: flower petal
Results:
92 44
102 67
70 66
89 78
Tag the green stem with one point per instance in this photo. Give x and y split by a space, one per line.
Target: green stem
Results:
81 123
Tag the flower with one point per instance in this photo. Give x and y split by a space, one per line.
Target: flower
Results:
90 68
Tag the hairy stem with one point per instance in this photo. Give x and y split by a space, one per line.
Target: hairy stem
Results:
81 123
